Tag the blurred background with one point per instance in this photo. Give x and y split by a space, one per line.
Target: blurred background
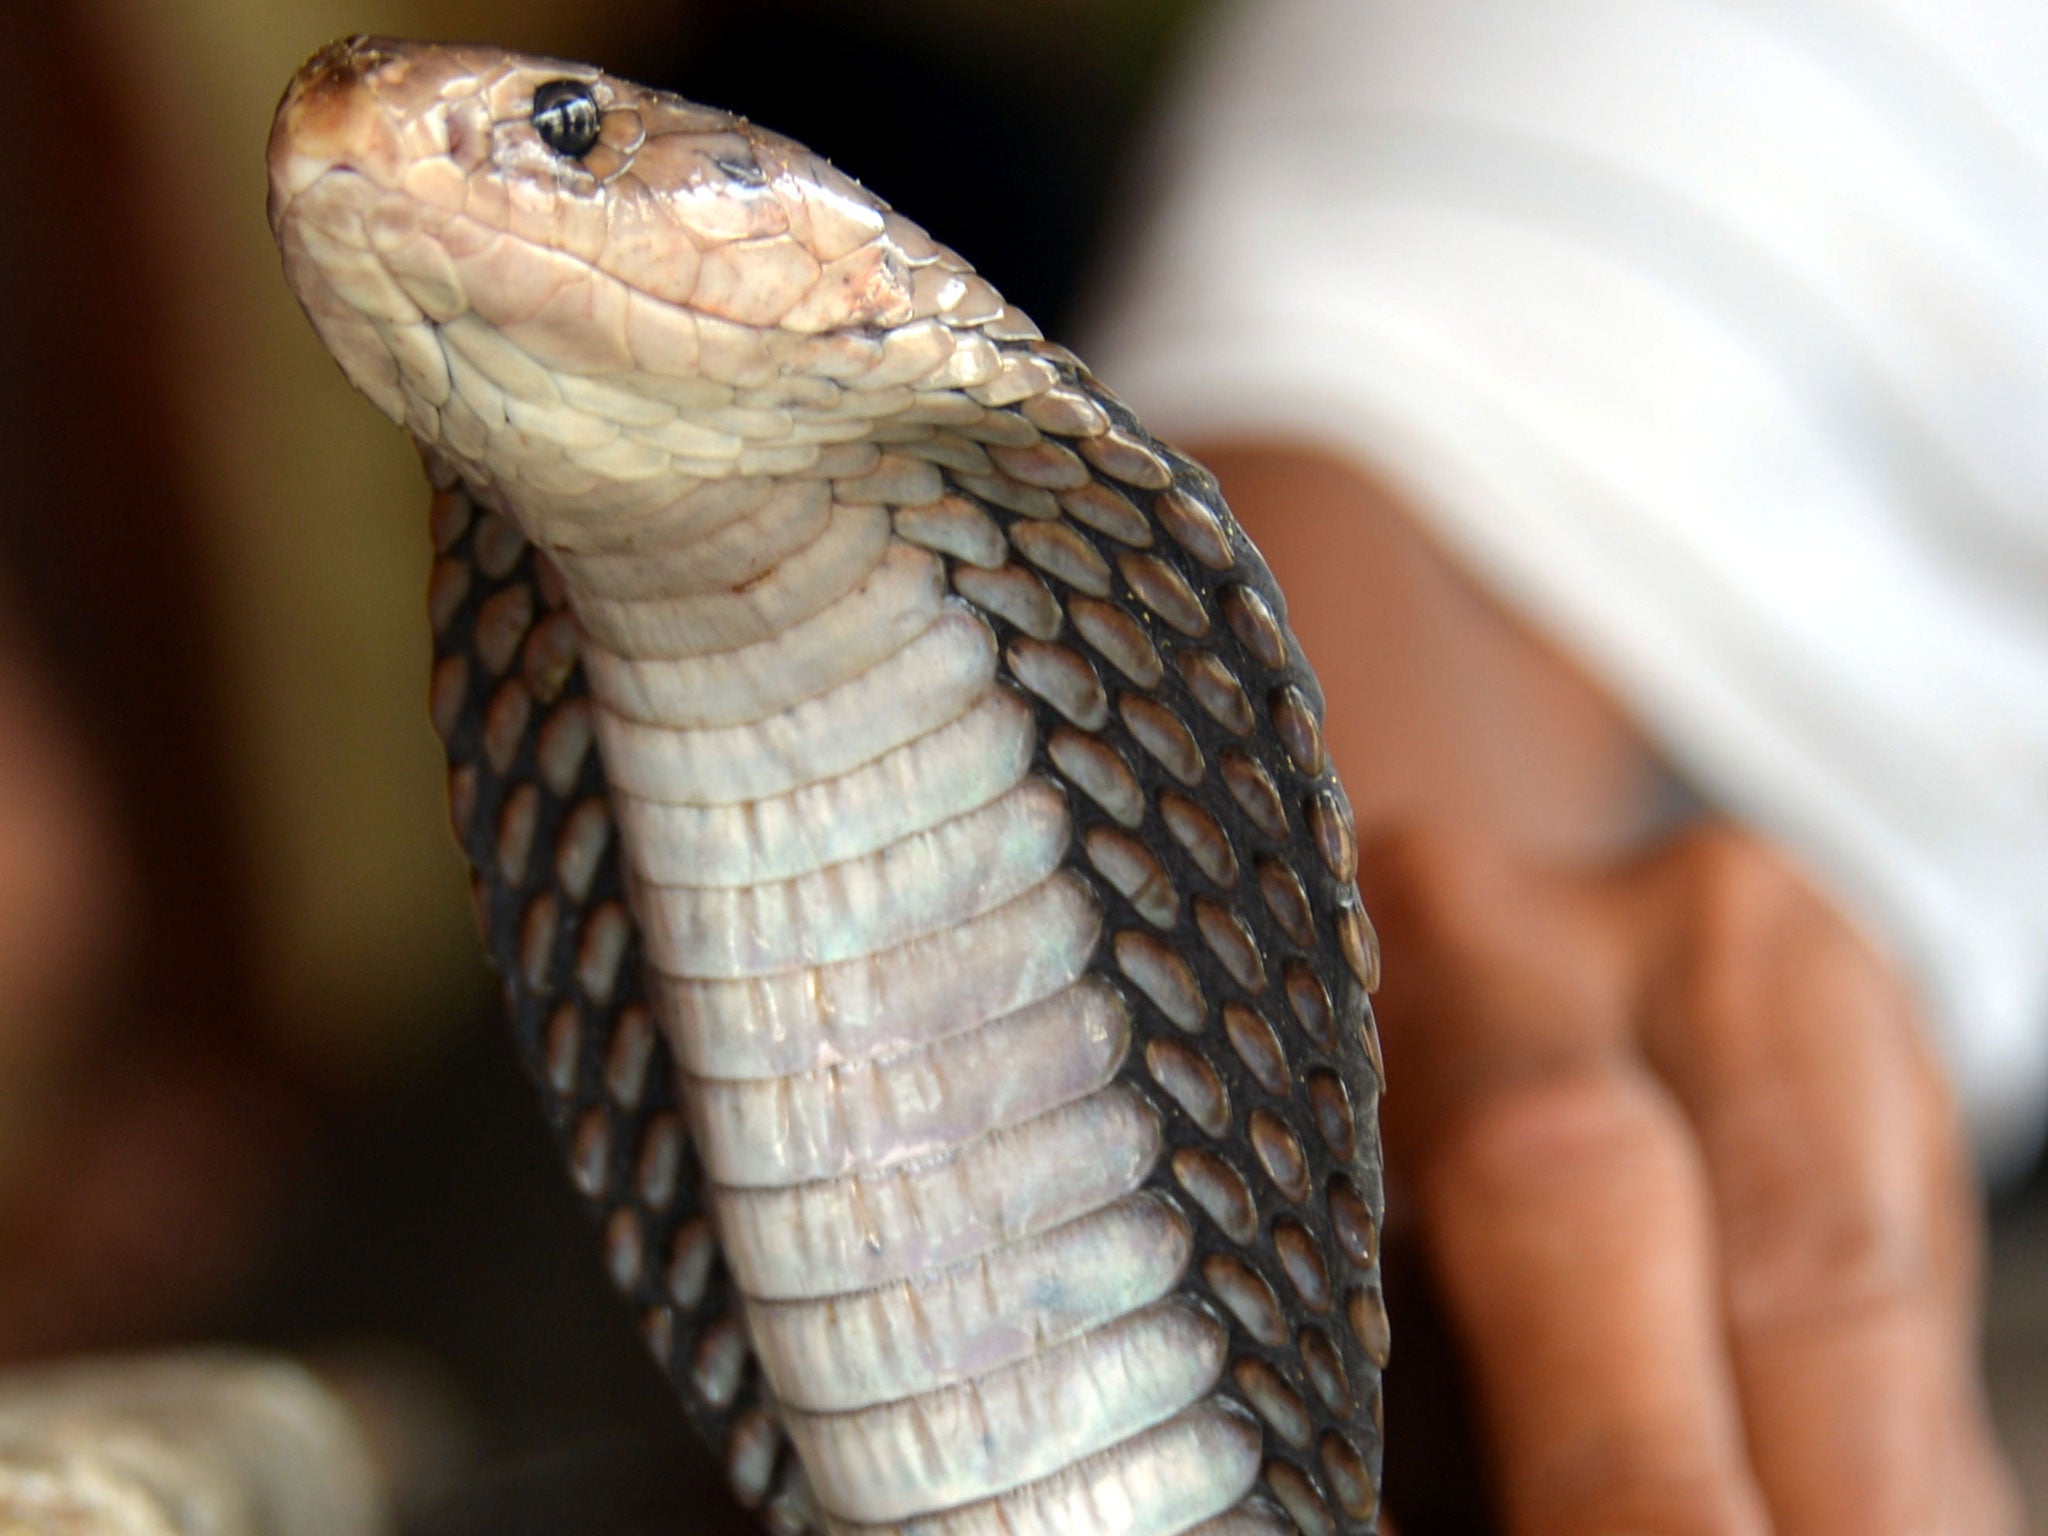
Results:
252 1082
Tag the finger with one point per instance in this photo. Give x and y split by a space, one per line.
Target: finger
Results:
1494 973
1566 1216
1572 1236
1847 1270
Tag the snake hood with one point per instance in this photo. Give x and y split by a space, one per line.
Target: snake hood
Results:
898 810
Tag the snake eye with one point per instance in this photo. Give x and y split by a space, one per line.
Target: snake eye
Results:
565 116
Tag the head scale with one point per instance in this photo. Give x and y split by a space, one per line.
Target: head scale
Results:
522 259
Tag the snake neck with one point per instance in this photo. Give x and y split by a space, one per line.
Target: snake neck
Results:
863 937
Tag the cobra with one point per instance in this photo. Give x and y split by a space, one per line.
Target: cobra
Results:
898 809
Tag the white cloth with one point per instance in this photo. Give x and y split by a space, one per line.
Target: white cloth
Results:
1714 335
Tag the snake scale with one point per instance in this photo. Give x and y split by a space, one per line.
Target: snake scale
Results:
898 810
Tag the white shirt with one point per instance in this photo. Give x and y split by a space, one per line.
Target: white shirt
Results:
1714 335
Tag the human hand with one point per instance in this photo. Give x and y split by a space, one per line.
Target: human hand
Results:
1691 1191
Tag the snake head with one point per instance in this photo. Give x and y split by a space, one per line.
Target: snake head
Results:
468 229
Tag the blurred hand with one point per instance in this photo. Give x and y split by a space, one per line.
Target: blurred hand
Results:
1684 1176
1692 1193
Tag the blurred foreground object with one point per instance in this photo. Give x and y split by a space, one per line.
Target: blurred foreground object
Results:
204 1444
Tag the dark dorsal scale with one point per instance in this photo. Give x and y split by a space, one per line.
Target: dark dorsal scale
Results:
527 797
1175 708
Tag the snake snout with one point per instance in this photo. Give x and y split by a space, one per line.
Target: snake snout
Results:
331 117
